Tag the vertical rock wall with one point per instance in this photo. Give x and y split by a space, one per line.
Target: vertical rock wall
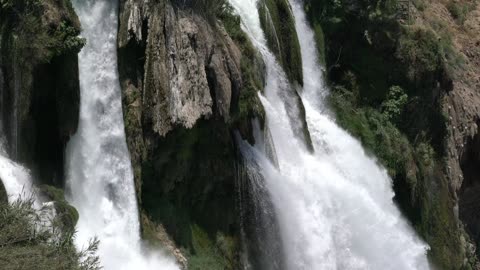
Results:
39 84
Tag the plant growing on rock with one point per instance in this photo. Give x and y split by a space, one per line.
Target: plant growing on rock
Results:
395 103
25 242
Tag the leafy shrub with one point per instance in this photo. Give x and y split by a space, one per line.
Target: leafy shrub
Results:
25 242
251 65
375 131
395 103
67 39
419 50
34 40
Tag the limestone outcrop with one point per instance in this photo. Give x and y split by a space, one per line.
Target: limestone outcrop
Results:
187 86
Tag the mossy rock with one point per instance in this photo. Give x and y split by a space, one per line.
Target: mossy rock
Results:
3 194
247 105
24 246
191 172
67 215
278 23
221 253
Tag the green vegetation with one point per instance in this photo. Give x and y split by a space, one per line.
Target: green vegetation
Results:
252 69
32 38
394 104
67 216
459 10
374 130
215 255
420 187
419 50
26 242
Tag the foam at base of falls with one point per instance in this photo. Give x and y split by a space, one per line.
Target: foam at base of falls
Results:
334 207
100 179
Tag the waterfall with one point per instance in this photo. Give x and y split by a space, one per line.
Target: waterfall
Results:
15 178
100 180
260 231
335 206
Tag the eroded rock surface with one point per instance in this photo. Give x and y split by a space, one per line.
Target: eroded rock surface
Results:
182 78
191 69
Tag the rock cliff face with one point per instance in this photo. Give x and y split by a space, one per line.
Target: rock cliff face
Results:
462 105
183 55
184 83
39 87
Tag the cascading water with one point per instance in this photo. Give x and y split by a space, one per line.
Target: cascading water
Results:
100 179
15 178
334 207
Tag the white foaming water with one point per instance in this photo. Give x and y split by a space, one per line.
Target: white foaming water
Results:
15 178
100 179
335 206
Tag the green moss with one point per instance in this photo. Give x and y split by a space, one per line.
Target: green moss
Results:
67 216
207 254
191 172
36 41
248 105
278 24
374 130
419 49
320 42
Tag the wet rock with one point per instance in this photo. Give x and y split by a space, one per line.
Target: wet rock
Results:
3 193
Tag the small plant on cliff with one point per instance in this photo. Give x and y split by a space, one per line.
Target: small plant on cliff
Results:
395 103
67 39
26 242
419 49
32 38
459 10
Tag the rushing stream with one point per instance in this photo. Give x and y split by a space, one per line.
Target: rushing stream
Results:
334 207
100 179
